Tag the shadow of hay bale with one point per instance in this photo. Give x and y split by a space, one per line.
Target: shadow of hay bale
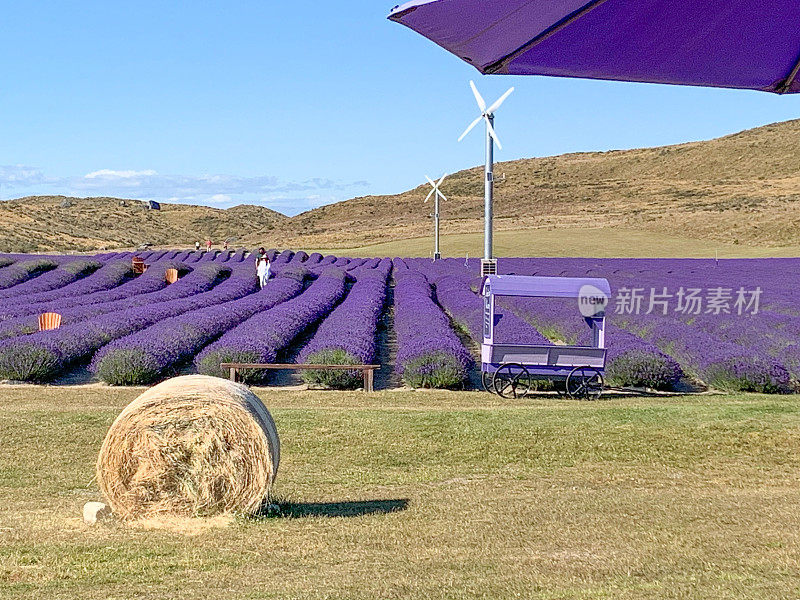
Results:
356 508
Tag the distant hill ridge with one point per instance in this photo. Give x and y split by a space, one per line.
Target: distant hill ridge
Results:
741 188
42 223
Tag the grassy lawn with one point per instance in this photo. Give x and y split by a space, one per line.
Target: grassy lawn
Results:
601 243
430 494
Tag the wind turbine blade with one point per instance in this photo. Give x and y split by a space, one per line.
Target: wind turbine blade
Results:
468 129
478 98
430 181
441 180
499 101
442 196
493 134
428 197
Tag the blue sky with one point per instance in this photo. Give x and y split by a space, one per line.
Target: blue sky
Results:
291 104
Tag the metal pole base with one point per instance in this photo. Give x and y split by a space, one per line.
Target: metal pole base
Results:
437 255
488 267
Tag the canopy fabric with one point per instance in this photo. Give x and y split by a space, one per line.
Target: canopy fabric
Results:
746 44
542 287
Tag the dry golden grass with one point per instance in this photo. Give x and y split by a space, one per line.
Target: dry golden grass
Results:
41 223
430 495
739 189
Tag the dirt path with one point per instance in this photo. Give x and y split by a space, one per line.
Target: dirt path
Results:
76 375
386 377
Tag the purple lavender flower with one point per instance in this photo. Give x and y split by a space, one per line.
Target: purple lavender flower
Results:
722 349
466 309
23 270
262 336
65 273
41 356
348 334
113 281
149 288
790 357
720 364
299 257
142 357
429 352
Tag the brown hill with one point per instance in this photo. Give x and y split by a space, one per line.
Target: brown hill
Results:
742 188
42 223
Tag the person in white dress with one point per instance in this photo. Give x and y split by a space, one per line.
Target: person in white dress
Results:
263 271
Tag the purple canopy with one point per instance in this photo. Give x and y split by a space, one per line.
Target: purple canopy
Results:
748 44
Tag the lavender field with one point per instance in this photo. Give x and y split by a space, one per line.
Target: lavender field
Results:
673 324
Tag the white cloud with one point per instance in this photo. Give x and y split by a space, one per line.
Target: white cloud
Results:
293 205
219 199
20 175
109 174
290 197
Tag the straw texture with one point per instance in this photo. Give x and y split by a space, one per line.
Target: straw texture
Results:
193 445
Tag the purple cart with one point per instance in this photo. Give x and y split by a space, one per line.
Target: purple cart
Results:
509 369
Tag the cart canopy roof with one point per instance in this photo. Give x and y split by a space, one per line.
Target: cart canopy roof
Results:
544 287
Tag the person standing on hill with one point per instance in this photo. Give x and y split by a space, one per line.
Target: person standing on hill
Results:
208 245
197 246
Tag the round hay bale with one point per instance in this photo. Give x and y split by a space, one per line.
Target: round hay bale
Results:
193 445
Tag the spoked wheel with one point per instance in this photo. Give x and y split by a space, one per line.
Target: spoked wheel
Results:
486 381
584 383
511 380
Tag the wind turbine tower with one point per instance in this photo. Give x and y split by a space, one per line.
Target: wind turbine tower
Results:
436 193
488 264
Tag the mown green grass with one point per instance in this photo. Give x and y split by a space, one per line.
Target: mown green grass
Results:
601 242
430 494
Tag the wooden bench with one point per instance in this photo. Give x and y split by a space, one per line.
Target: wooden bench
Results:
367 370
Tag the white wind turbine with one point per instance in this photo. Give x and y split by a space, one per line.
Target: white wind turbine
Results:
437 193
487 114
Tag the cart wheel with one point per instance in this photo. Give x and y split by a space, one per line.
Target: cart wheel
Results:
584 383
486 381
508 384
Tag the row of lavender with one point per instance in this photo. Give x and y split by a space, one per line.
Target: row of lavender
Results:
140 329
114 317
429 354
103 302
349 334
726 346
731 324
